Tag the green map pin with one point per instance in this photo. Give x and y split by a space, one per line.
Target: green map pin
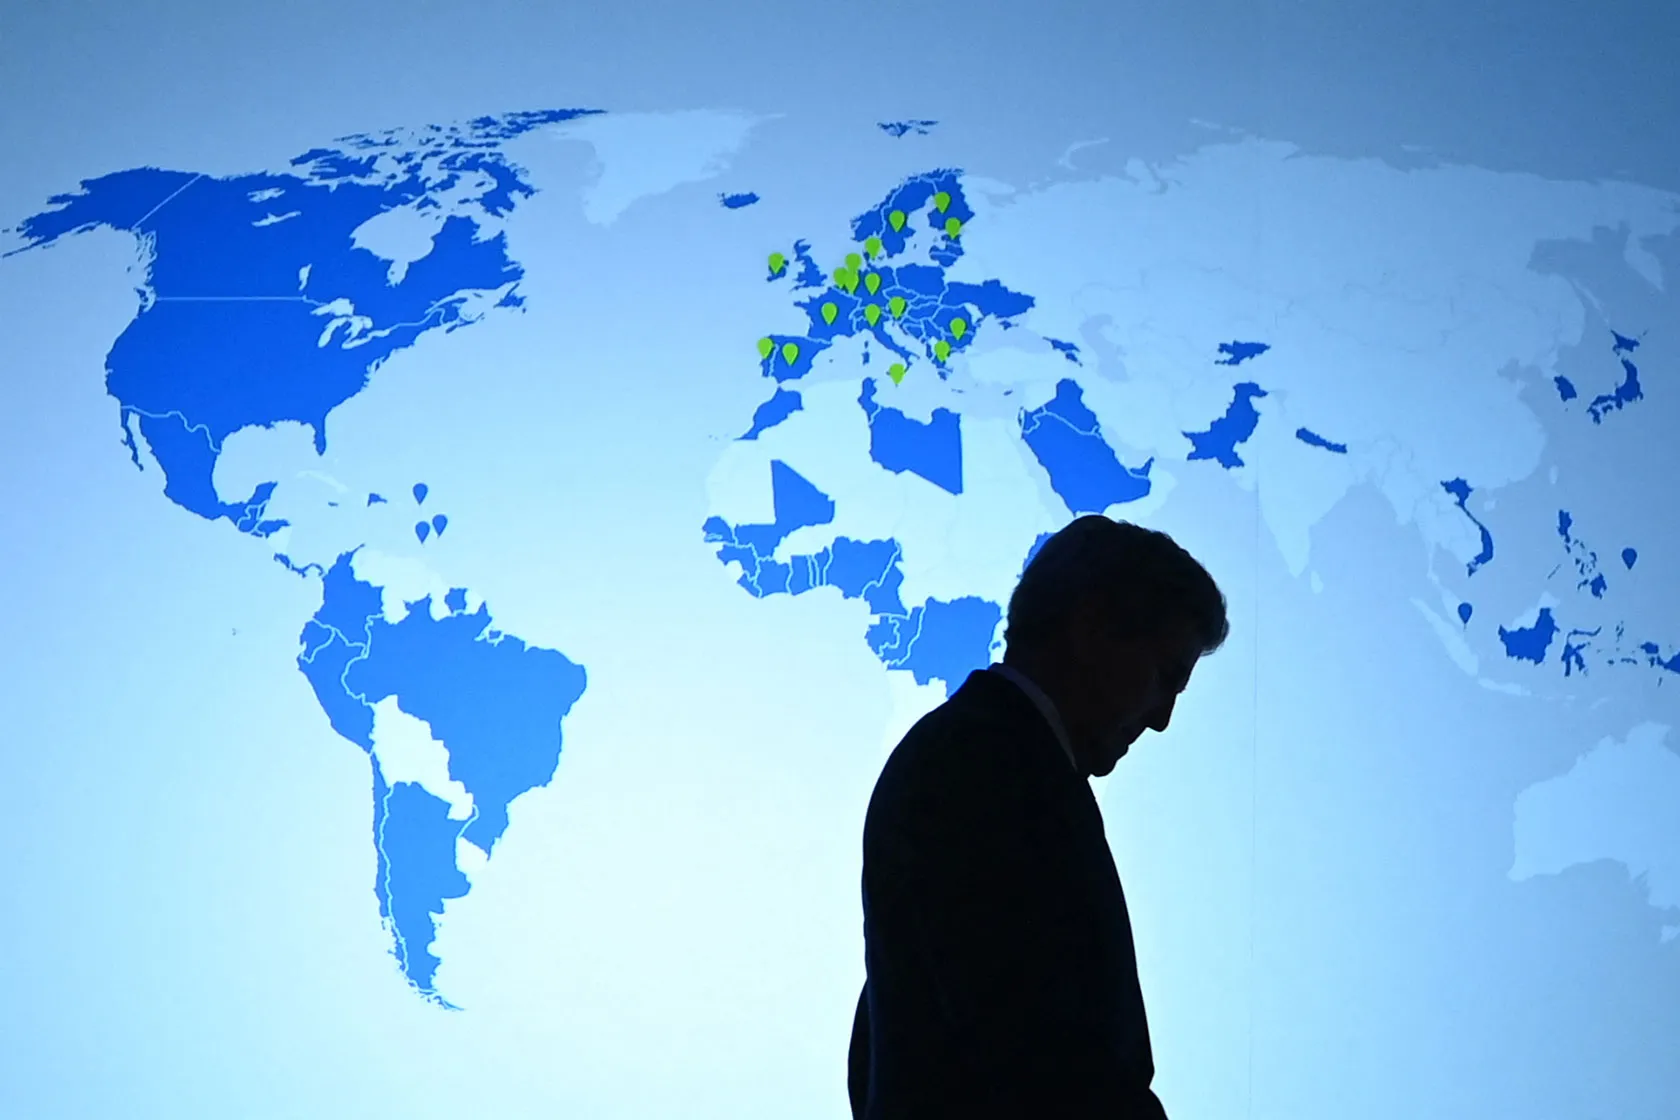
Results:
897 219
942 349
872 312
896 372
853 261
790 351
952 227
766 346
896 305
777 263
851 280
829 312
872 247
959 327
942 201
872 282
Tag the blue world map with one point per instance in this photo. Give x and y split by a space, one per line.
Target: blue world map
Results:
259 308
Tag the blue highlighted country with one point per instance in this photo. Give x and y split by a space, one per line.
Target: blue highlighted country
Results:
784 364
1313 439
784 403
415 840
989 299
494 702
736 201
1530 643
1627 391
932 450
809 275
1584 558
1219 442
846 311
796 503
1063 434
1461 491
1236 353
305 570
258 306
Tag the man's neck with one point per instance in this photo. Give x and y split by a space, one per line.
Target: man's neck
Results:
1041 674
1046 706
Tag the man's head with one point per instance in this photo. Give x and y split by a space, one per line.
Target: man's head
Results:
1110 619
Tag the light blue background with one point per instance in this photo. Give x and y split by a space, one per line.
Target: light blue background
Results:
1318 855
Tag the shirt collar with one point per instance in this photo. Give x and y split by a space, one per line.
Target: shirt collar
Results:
1043 704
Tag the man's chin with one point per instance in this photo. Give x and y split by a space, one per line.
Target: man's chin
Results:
1104 767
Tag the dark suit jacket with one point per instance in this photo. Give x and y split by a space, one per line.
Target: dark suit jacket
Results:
1002 979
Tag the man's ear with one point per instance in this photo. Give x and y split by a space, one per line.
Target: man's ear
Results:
1085 632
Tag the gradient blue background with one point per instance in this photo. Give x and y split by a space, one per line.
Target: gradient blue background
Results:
1321 856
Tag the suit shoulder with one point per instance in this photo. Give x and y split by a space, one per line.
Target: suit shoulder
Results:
965 748
952 736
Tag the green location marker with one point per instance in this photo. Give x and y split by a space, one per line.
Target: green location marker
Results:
897 218
942 349
765 347
872 312
872 247
872 282
959 327
829 312
952 228
790 351
942 201
896 305
777 263
896 372
853 261
851 281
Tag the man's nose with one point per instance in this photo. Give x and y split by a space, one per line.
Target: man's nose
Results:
1162 715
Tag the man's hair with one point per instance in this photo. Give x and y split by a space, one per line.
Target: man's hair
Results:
1144 580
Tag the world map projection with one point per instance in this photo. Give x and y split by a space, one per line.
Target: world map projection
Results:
469 572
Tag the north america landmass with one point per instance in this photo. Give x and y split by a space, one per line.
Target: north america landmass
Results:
259 307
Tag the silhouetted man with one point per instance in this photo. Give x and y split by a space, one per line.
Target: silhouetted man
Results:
1002 979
